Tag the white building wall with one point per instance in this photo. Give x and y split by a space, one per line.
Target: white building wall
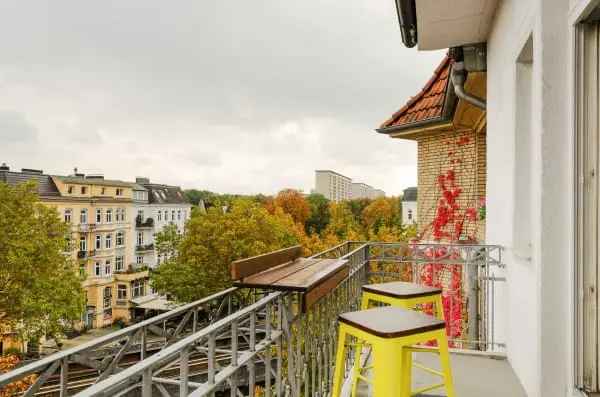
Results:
409 206
534 314
151 211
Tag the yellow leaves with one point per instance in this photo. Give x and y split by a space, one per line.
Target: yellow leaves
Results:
292 202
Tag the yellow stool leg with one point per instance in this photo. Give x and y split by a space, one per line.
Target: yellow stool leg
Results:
356 369
388 370
439 307
407 374
338 375
442 341
364 305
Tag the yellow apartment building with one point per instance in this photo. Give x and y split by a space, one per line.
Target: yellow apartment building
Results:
101 240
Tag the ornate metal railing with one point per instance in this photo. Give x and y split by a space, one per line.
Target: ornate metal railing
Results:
255 343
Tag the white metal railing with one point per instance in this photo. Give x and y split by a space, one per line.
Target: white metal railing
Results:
250 342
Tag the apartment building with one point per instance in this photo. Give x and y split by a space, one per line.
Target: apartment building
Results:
154 207
360 190
334 186
98 211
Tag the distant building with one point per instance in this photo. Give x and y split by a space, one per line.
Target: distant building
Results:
332 185
154 207
409 206
362 190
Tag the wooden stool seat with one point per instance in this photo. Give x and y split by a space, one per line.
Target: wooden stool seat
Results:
392 322
400 289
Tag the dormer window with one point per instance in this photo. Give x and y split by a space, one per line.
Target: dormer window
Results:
103 191
70 189
83 190
119 191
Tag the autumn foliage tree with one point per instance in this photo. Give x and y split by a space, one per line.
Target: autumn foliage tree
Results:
215 239
8 363
292 202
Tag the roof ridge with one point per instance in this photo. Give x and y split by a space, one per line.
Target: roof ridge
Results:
438 76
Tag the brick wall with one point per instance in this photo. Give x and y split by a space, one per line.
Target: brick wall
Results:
465 153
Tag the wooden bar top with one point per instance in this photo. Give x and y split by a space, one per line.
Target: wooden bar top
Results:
312 277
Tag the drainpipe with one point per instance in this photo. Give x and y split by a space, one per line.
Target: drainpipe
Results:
458 78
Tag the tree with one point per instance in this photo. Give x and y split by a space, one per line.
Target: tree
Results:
292 202
342 223
357 206
167 240
214 240
194 196
319 213
379 213
40 289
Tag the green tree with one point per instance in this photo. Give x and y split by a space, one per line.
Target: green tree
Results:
212 241
167 240
342 222
40 289
319 213
194 196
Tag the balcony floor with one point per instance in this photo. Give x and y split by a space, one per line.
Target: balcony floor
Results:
474 376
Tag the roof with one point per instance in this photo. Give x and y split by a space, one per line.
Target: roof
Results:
94 181
333 172
432 104
45 184
410 194
165 194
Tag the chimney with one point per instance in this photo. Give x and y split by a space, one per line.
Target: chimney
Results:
31 171
141 180
4 167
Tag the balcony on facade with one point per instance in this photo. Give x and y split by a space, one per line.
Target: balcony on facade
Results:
144 248
140 223
250 339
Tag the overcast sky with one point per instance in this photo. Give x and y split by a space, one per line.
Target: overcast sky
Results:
239 96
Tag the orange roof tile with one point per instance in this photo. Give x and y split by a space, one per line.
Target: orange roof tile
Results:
428 103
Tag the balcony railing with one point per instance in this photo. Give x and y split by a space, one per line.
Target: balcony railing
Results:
144 247
140 222
240 339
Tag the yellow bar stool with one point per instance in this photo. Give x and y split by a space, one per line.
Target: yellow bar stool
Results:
402 294
399 294
391 331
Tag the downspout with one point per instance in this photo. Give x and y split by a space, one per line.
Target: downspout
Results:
458 77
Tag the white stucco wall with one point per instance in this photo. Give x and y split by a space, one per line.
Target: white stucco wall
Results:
535 319
406 206
151 211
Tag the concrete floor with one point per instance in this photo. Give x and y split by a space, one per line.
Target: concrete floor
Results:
474 376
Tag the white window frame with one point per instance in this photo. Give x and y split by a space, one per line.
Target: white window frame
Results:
97 269
108 215
98 242
119 263
83 216
82 243
107 267
108 241
120 238
68 215
98 215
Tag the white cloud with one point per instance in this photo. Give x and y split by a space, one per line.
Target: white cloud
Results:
228 95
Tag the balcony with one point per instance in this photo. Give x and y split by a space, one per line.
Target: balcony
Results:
141 223
82 254
144 248
247 339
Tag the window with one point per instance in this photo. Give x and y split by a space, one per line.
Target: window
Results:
119 263
83 218
119 191
140 215
98 242
173 215
120 215
67 215
107 268
99 215
179 215
108 241
109 216
103 191
82 243
70 189
121 291
107 297
137 288
83 190
159 215
139 260
158 259
409 215
140 238
97 269
120 239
